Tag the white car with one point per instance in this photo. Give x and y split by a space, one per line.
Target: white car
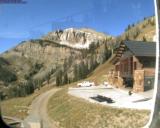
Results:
86 84
105 83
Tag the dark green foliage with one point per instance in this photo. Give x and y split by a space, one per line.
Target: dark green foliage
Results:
92 48
144 39
22 89
2 95
35 69
3 61
107 53
52 71
65 79
127 37
128 27
133 25
41 42
80 71
59 77
47 78
92 64
65 65
86 60
95 64
57 81
38 83
75 72
70 60
98 45
6 75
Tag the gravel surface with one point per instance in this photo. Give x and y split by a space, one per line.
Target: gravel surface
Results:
38 116
120 96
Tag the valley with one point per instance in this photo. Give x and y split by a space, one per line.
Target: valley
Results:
61 59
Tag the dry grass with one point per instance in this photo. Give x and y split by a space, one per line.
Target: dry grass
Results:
18 107
72 112
99 74
148 31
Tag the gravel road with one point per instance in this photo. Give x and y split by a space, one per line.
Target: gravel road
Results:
38 117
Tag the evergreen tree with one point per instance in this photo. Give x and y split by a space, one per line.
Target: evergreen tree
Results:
75 72
65 79
47 78
91 64
144 39
127 36
57 81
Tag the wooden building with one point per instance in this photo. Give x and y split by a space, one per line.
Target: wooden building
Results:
135 64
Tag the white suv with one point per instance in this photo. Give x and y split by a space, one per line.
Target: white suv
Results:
86 84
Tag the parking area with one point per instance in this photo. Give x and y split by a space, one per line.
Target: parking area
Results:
119 98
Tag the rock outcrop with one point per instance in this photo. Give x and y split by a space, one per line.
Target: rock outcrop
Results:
77 38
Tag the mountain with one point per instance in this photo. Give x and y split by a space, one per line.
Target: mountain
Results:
76 38
59 58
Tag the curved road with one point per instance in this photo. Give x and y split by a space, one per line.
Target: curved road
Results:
38 117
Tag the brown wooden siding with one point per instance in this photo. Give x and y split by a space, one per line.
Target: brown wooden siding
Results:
128 65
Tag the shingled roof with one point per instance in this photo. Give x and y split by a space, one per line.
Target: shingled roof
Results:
139 48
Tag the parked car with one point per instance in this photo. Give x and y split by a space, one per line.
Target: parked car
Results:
86 84
105 83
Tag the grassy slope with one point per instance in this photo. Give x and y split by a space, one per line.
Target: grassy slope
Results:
146 29
18 107
72 112
98 75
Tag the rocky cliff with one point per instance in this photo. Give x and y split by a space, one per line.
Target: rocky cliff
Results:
77 38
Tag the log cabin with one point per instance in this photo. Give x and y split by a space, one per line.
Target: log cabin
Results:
134 64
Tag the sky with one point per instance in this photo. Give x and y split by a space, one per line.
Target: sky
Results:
19 22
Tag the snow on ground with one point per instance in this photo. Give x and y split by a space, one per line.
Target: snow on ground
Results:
120 96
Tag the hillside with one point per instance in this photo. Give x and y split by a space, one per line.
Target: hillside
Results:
62 57
142 31
49 60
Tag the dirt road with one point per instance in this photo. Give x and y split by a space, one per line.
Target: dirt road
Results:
38 117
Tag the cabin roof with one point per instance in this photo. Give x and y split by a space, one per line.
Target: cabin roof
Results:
139 48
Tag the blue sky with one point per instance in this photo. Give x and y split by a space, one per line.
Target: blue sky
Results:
20 22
